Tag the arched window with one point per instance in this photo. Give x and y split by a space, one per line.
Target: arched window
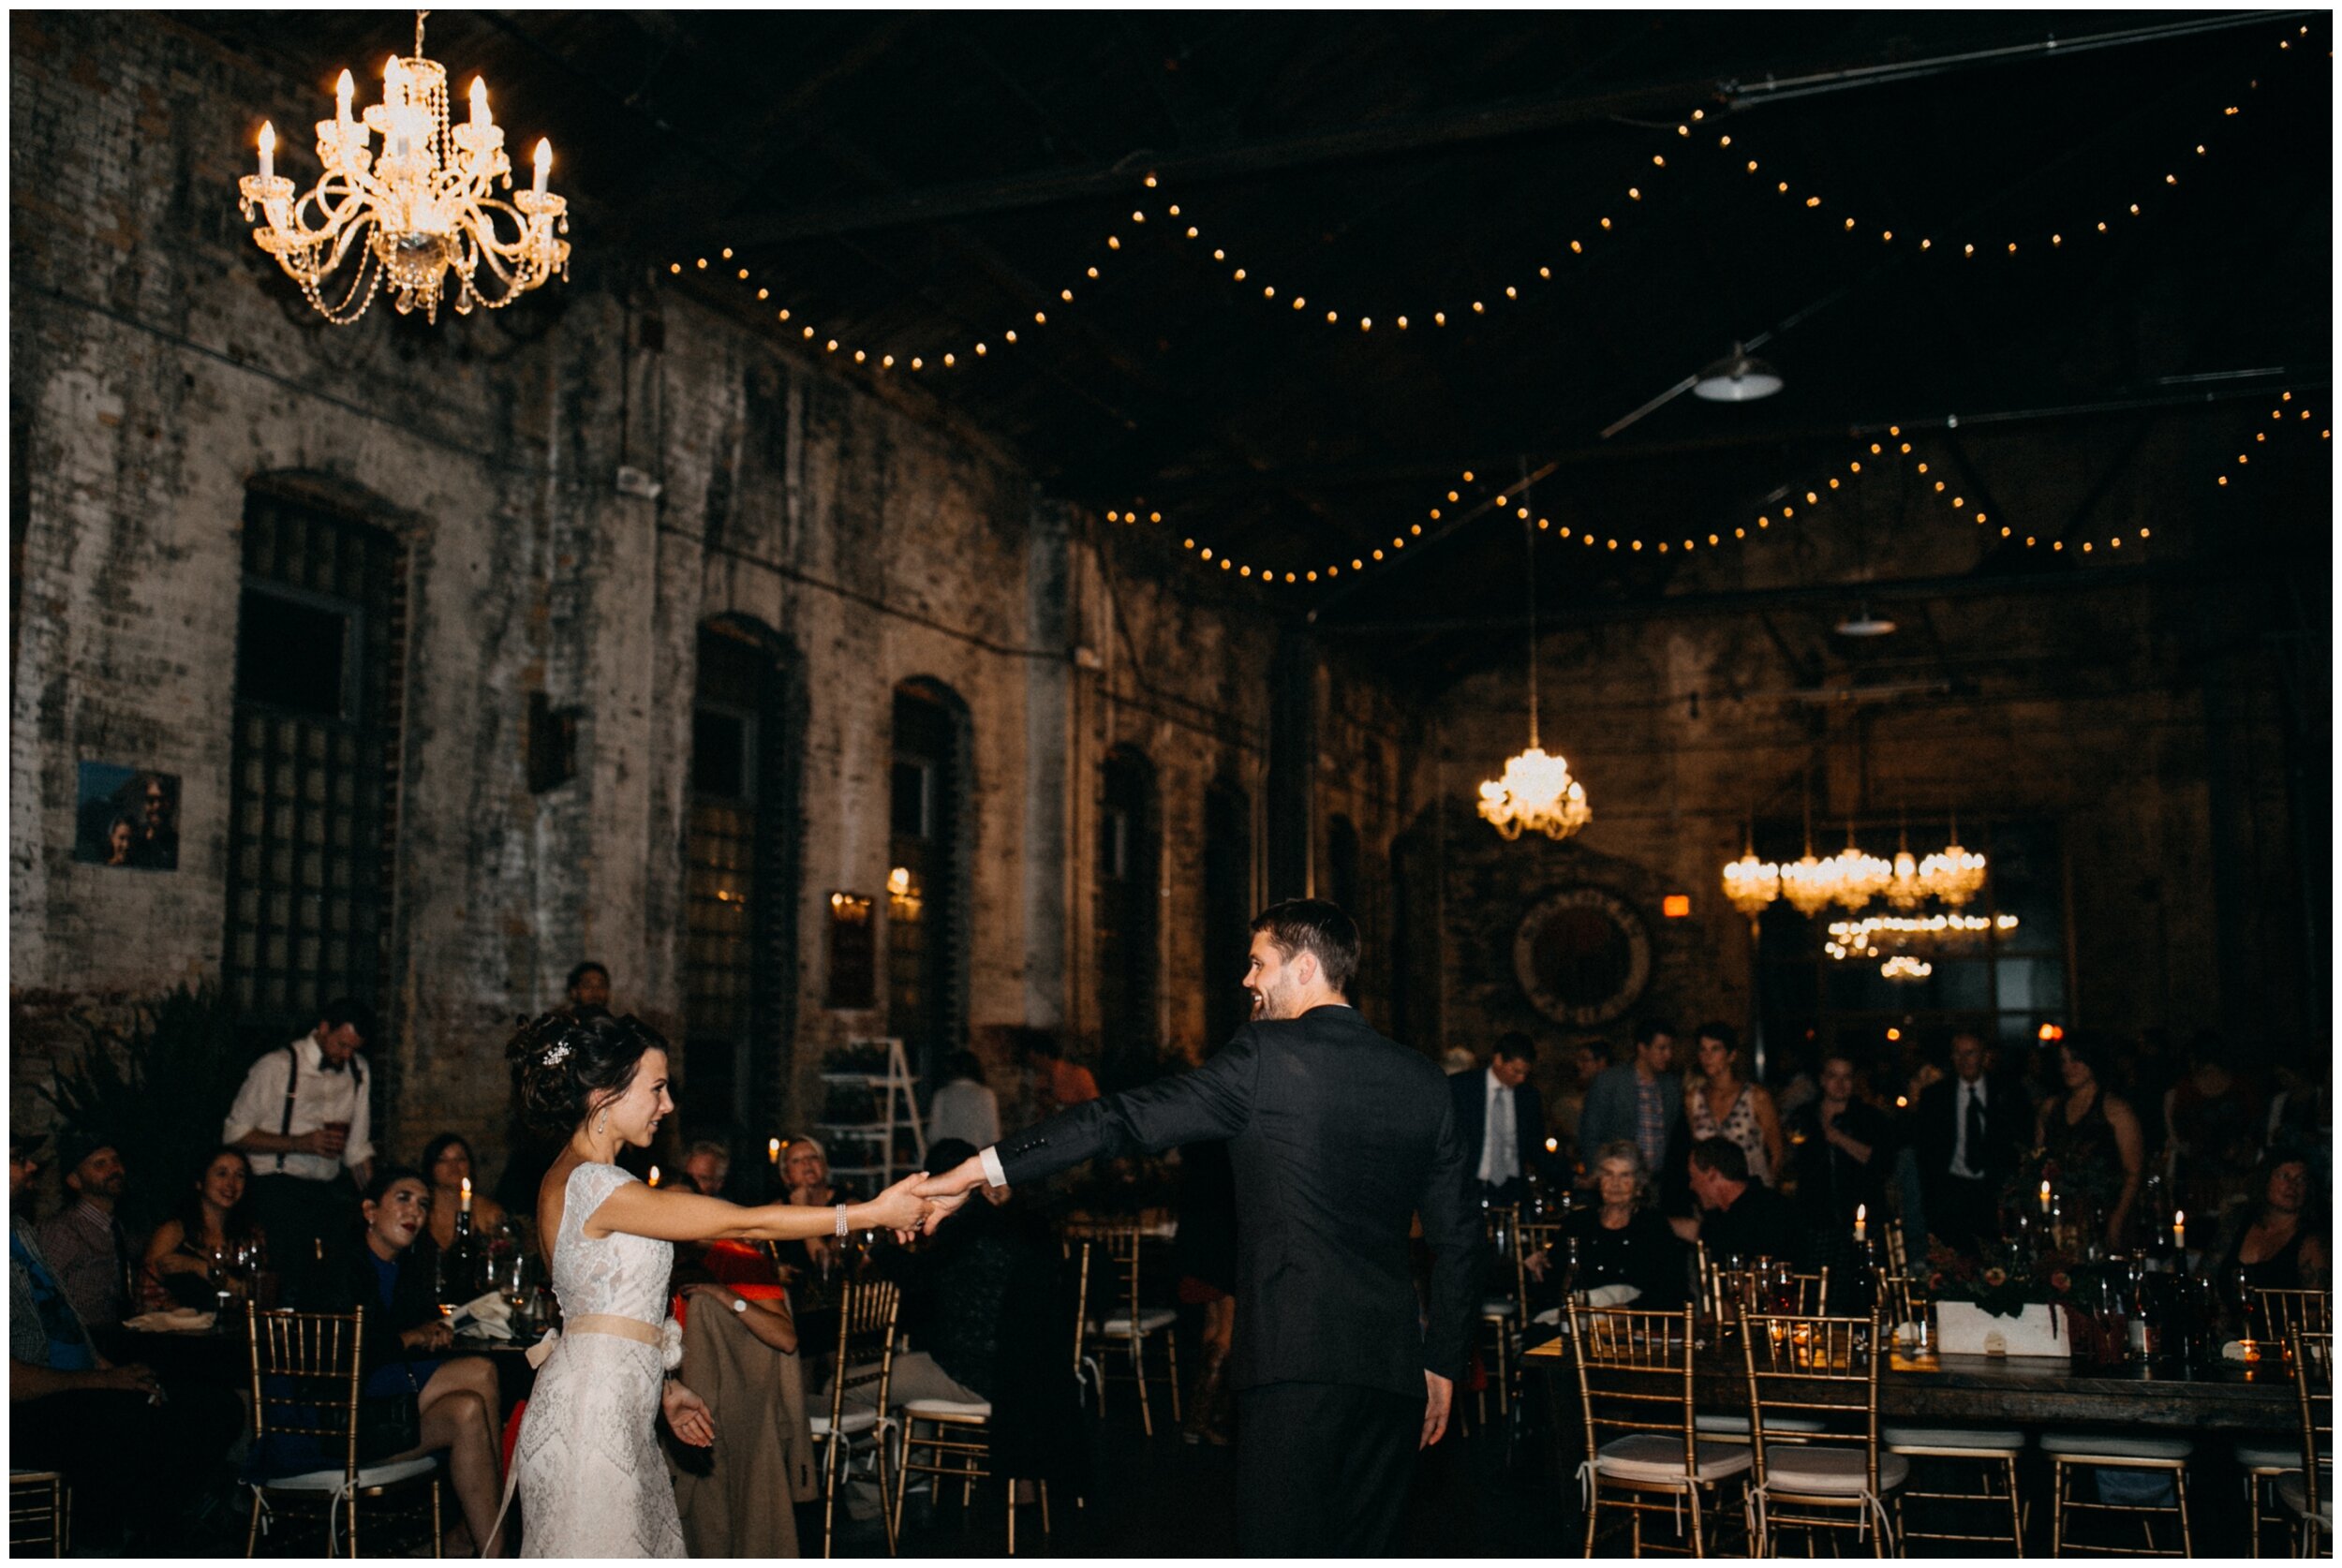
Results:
1228 909
1128 874
319 633
740 844
926 946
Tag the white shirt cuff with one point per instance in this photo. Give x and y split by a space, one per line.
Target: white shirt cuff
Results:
993 1175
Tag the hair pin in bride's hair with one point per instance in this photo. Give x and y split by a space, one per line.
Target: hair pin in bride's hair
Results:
558 1053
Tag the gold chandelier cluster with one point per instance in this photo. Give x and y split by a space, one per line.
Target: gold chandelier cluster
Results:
1851 879
421 209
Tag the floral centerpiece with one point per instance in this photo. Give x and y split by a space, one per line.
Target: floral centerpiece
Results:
2015 1302
2003 1282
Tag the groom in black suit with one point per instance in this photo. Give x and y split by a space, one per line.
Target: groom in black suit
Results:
1340 1139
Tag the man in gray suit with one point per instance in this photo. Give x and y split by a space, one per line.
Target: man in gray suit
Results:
1638 1101
1340 1139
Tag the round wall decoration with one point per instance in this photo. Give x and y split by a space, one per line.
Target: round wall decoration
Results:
1583 955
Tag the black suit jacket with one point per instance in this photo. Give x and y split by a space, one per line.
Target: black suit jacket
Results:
1340 1138
1470 1092
1936 1131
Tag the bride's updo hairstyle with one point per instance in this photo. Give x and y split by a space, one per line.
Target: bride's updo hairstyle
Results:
563 1061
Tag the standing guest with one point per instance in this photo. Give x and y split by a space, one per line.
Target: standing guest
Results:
2214 1119
1341 1139
1621 1240
1797 1087
304 1117
1965 1133
964 1108
1500 1119
402 1360
1638 1100
589 988
212 1225
84 1242
1062 1083
2093 1136
2274 1243
1845 1152
1722 1102
1740 1217
707 1166
136 1457
447 1162
1588 1060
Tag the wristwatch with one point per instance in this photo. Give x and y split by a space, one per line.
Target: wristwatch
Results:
739 1303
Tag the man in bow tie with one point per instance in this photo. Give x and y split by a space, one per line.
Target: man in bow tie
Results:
303 1116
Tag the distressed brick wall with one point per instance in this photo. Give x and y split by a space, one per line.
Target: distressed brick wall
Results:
160 363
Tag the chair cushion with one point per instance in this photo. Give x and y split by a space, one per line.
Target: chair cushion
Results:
948 1407
1500 1306
851 1423
2295 1496
1648 1456
2115 1446
1985 1440
368 1475
1550 1315
1826 1471
1737 1426
1151 1320
2268 1454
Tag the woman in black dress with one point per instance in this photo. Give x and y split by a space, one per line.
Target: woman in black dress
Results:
2093 1137
1621 1240
2276 1247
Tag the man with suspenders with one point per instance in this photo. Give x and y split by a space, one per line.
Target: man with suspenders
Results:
302 1117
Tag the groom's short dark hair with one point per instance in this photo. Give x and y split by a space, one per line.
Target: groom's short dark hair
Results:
1316 927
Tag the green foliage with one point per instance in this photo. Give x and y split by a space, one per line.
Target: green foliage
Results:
159 1096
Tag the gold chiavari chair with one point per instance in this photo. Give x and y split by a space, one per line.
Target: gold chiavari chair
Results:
1822 1370
1993 1451
304 1391
1501 1316
2283 1314
2308 1492
2072 1455
1549 1236
867 1313
1737 1293
1642 1455
1127 1325
40 1514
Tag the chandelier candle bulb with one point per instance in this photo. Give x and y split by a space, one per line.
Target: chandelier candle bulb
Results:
479 115
544 164
342 91
267 150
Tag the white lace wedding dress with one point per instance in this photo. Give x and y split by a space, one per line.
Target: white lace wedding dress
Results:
592 1480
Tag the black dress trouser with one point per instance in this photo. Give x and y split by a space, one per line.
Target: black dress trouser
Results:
1323 1469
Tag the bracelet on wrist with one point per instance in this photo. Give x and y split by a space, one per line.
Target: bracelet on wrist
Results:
841 1222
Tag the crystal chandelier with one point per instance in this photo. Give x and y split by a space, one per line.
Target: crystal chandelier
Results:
1751 883
1906 968
1809 884
1953 874
1857 878
1536 792
1905 888
421 209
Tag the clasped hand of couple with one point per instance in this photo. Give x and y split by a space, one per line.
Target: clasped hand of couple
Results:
914 1205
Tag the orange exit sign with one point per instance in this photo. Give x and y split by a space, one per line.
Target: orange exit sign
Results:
1676 906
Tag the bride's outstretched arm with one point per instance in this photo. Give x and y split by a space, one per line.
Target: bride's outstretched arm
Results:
666 1215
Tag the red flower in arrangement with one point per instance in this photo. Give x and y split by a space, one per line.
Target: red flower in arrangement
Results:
2061 1281
1996 1276
1936 1280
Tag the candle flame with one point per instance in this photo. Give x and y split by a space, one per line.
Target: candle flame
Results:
1862 1212
654 1176
467 1187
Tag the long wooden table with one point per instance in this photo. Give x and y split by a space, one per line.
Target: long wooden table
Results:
2017 1390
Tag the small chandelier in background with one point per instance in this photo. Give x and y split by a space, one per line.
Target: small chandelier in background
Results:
1953 874
421 209
1536 792
1902 967
1905 890
1751 883
1857 878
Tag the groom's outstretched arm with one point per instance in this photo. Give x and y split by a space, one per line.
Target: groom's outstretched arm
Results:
1214 1101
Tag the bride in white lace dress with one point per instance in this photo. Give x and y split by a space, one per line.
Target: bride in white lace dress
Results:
592 1480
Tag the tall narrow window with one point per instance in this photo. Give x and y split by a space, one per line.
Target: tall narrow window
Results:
926 943
316 637
738 887
1128 872
1228 909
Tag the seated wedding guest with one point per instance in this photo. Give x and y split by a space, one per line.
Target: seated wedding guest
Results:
212 1226
964 1108
2215 1119
447 1161
738 1498
2275 1242
1621 1240
138 1455
416 1398
707 1166
1062 1084
84 1242
1739 1216
805 1166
